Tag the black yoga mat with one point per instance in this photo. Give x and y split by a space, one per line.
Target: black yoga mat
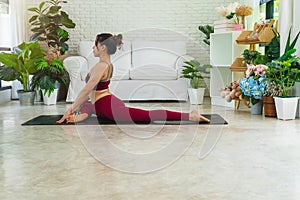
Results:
51 120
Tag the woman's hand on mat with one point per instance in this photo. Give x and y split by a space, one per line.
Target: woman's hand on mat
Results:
66 116
77 118
195 116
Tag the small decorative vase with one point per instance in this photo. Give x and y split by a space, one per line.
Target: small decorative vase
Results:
238 27
256 109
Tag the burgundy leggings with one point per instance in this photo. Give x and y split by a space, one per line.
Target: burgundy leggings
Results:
113 108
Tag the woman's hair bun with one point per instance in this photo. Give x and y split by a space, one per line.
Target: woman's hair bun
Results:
118 38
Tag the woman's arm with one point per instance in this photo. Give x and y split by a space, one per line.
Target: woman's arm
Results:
95 75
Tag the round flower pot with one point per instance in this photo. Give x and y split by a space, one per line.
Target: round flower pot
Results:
286 107
256 109
269 106
26 98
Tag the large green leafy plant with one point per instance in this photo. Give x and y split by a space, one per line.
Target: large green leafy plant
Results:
48 25
192 70
285 71
18 66
49 73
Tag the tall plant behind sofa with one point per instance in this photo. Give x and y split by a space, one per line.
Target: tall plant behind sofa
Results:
48 23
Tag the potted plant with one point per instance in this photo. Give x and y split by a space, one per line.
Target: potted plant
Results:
48 77
192 71
19 66
253 87
250 56
284 72
206 30
48 23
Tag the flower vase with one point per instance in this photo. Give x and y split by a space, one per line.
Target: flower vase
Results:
256 109
238 27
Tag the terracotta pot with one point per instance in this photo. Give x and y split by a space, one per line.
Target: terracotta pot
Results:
269 106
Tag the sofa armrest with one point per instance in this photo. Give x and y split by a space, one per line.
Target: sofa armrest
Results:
180 62
77 67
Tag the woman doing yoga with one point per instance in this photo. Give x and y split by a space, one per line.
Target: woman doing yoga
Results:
105 104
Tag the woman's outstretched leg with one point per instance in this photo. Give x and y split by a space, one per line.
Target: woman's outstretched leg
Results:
113 108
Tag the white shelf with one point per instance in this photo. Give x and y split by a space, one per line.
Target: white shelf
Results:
219 101
224 49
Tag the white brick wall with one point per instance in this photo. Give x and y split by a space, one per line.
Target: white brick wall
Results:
149 19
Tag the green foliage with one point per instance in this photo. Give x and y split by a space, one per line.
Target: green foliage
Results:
273 53
20 65
48 74
47 24
251 55
285 71
206 30
192 71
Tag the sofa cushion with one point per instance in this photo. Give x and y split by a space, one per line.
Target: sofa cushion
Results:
153 72
121 60
164 53
156 59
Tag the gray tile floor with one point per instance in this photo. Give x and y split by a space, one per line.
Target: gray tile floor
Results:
251 158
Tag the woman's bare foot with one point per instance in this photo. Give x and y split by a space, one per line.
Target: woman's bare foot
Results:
195 116
77 118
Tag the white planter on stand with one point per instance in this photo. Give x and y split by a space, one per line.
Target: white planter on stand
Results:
196 95
286 107
52 99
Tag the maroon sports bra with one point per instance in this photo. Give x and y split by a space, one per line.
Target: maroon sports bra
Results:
102 84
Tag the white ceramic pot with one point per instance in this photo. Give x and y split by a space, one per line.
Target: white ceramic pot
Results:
196 95
52 99
286 107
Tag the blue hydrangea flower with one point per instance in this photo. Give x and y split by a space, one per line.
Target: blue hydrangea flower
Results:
253 88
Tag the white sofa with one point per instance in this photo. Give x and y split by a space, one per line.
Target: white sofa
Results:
143 70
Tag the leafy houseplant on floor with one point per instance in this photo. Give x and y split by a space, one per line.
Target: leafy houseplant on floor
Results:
48 23
49 74
284 72
192 71
19 66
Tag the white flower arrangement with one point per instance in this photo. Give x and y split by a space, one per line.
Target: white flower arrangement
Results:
227 12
